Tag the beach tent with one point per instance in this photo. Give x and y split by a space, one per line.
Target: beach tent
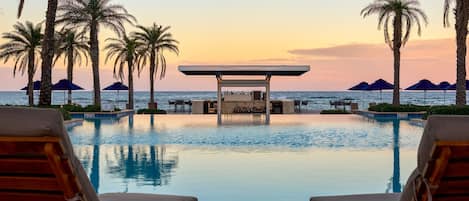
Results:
116 86
65 85
380 85
423 85
444 87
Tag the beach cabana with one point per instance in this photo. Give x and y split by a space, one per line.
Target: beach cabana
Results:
380 85
116 86
424 85
266 71
65 85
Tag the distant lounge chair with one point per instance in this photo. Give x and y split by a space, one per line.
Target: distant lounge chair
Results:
442 172
37 161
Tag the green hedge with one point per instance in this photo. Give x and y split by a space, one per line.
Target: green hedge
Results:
384 107
151 111
335 112
447 110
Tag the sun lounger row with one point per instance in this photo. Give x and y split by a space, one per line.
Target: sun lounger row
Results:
38 163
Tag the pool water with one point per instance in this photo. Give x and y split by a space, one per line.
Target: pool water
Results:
293 158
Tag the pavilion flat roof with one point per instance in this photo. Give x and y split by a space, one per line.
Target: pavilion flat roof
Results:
274 70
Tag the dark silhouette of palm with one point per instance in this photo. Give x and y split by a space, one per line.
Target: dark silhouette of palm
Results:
73 47
91 15
125 51
23 45
461 12
20 8
156 40
403 15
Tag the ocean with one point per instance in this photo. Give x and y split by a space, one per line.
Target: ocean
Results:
317 100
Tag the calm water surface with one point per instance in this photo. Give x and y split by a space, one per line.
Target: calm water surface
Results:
295 157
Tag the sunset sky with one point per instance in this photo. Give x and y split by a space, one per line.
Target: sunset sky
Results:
330 35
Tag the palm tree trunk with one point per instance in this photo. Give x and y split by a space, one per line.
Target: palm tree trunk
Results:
152 76
70 73
397 43
462 9
31 60
48 54
131 86
94 48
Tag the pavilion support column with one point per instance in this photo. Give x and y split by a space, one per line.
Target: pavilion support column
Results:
219 100
267 99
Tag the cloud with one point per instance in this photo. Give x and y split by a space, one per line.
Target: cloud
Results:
415 50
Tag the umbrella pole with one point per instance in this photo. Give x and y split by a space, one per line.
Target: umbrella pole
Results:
117 99
381 95
444 97
424 97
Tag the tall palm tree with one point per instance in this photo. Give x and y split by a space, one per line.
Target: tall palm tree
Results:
403 14
91 14
23 45
73 47
125 51
20 8
156 40
48 47
461 11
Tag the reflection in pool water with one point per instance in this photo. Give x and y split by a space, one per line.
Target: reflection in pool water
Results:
292 159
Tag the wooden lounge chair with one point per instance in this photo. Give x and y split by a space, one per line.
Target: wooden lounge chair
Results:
442 172
37 162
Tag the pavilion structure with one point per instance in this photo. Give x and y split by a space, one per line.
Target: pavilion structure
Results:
243 71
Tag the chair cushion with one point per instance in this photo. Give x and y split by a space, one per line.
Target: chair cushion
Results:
142 197
36 122
365 197
438 128
441 128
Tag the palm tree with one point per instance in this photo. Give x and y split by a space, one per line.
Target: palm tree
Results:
461 11
91 14
48 47
125 51
73 47
23 46
20 8
403 14
156 39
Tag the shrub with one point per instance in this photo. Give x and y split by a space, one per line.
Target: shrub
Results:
384 107
151 111
447 110
338 111
92 108
73 108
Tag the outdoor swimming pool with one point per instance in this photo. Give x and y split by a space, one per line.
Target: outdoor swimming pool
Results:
295 157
